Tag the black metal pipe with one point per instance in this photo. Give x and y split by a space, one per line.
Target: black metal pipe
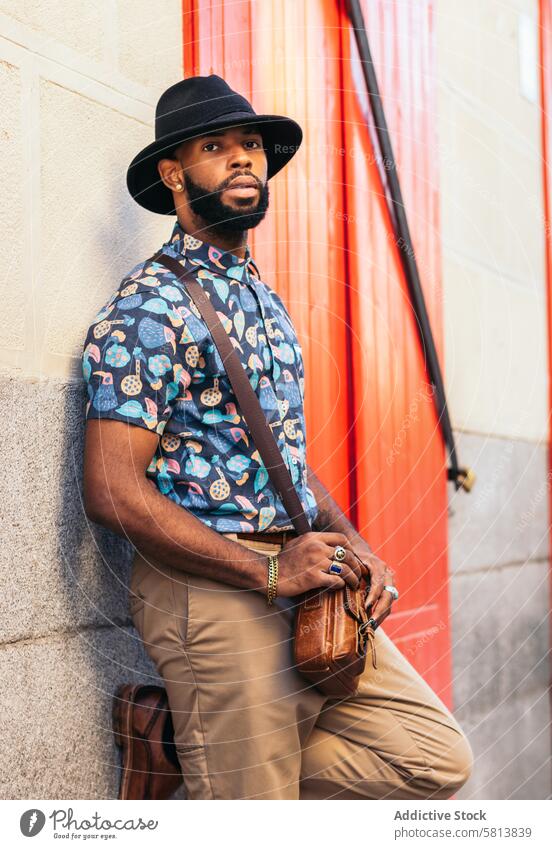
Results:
460 476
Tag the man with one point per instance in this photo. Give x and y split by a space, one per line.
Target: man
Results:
164 433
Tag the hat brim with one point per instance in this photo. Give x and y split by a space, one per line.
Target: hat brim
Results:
281 139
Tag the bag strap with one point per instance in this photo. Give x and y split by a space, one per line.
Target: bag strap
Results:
248 401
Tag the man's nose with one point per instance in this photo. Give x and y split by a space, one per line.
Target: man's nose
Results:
240 158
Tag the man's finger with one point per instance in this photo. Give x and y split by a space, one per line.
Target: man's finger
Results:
332 538
376 588
383 606
330 581
380 618
350 560
380 577
348 574
353 564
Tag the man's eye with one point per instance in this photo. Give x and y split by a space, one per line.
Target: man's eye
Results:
250 143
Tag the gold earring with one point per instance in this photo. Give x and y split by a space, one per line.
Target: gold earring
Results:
178 187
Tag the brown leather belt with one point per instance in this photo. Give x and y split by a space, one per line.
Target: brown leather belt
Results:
280 537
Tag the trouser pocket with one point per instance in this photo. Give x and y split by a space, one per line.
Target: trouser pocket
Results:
158 604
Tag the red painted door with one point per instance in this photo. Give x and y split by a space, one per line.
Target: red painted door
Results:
327 247
400 473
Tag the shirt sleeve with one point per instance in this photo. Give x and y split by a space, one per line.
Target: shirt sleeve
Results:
300 366
138 357
291 337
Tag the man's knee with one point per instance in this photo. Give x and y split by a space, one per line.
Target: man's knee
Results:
448 773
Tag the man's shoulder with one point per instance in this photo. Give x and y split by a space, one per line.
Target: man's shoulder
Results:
143 285
151 277
269 290
274 298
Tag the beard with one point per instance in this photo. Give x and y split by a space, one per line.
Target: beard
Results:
226 219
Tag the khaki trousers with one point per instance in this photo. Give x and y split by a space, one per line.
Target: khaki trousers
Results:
249 726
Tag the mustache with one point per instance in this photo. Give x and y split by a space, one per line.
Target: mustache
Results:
229 180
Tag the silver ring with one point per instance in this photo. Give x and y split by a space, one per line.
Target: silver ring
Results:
393 590
335 568
340 553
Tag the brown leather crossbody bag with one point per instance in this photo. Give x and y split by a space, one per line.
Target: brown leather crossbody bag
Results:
332 630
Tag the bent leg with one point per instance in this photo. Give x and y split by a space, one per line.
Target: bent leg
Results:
394 739
240 710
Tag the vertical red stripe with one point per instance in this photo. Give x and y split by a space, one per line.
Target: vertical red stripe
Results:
352 402
545 56
189 37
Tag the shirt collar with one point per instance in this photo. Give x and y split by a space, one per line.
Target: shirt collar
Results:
213 258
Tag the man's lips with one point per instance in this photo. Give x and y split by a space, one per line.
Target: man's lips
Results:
243 181
243 187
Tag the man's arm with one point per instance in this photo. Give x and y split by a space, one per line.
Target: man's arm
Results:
330 515
119 496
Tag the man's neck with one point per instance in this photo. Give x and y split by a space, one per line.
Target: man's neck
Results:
235 243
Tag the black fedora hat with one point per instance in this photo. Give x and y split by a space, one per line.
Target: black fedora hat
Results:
193 107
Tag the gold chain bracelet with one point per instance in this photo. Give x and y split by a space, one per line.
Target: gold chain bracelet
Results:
272 578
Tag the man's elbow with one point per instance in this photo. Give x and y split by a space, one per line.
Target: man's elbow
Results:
95 508
101 504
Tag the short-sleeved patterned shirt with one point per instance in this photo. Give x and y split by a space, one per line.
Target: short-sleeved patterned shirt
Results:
149 360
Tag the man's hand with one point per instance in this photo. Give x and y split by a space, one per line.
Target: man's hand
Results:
304 562
330 517
380 574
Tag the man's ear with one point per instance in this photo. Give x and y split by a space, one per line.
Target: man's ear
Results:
169 171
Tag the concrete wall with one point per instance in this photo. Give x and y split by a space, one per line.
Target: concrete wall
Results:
497 385
78 87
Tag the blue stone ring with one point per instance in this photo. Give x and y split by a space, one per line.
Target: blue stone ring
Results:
336 568
340 552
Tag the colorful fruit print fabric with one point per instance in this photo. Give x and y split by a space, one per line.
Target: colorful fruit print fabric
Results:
149 360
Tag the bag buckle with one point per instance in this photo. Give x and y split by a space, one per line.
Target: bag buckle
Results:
366 632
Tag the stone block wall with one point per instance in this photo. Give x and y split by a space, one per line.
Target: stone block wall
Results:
78 85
